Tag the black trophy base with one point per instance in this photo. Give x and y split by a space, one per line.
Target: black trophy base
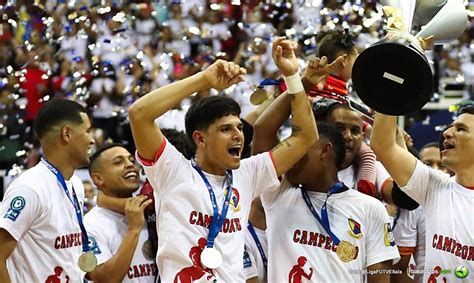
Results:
393 77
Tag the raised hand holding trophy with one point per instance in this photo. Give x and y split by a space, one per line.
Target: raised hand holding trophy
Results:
393 75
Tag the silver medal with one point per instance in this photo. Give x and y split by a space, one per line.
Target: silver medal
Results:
211 258
87 262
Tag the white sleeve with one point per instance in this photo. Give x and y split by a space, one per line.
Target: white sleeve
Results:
162 172
380 245
405 230
250 264
271 196
21 206
98 242
260 167
424 179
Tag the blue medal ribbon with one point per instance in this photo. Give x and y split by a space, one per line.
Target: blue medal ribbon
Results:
217 220
74 201
324 220
268 82
259 245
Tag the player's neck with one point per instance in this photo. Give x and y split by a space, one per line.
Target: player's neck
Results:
64 166
321 184
465 179
208 167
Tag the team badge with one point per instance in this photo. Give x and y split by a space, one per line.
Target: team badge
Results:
93 246
354 229
235 199
247 260
16 206
388 238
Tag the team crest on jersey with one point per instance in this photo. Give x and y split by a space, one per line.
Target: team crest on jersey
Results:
354 229
388 238
16 206
93 246
235 199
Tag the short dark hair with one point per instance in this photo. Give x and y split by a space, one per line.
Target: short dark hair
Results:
95 156
56 111
181 141
430 144
205 111
323 110
329 133
332 42
468 109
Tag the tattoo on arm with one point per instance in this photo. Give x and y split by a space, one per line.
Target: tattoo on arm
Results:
281 144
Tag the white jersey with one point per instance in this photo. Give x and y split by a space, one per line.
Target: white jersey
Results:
253 261
41 218
184 213
303 249
409 233
448 210
106 230
349 176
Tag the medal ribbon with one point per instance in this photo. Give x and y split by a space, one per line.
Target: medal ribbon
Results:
259 245
217 220
268 82
73 200
323 220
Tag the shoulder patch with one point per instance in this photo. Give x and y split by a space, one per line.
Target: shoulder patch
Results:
16 206
247 261
93 246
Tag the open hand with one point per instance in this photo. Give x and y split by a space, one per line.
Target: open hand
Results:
318 70
134 210
222 74
283 53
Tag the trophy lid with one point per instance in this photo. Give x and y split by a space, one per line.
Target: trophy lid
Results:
393 77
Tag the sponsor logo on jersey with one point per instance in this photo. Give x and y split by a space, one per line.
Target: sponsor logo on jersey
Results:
354 229
16 206
388 238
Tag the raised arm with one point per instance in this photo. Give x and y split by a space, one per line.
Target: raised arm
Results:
142 114
398 161
304 133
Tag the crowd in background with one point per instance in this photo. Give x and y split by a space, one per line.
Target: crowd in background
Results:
108 53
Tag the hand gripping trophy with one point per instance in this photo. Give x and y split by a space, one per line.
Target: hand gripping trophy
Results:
393 75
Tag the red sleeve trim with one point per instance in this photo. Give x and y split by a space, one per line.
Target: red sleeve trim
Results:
148 162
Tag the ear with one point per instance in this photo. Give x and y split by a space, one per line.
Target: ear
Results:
66 133
198 138
97 179
326 151
345 60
